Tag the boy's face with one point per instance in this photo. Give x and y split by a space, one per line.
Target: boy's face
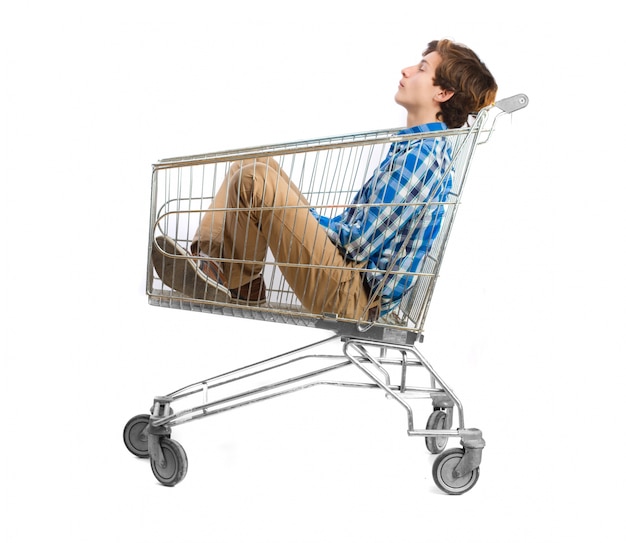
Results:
416 88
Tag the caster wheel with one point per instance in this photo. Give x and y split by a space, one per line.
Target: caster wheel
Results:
443 475
136 436
436 421
175 467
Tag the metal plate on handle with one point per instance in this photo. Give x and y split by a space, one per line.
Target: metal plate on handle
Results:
512 103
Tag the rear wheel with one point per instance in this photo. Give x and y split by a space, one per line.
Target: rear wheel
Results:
136 435
174 467
436 421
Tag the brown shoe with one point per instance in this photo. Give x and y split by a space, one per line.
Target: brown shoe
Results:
197 278
252 293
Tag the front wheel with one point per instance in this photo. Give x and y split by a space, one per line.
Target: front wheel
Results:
136 435
174 468
443 473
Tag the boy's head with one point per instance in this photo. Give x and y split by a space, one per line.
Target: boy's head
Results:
462 73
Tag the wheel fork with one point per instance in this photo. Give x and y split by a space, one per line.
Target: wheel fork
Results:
473 444
160 408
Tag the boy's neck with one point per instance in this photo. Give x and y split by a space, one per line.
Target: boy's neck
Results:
416 118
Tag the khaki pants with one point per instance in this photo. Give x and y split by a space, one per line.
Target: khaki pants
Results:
258 207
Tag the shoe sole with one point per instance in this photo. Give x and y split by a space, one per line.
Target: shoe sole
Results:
183 274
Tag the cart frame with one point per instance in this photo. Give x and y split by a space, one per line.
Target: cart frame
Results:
378 355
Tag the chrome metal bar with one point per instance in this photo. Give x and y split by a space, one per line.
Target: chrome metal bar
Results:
434 433
251 392
403 379
214 409
193 388
324 144
358 345
443 385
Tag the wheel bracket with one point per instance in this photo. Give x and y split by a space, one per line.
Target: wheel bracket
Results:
442 401
155 449
473 444
160 408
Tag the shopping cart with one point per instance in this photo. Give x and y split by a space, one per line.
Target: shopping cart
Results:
378 350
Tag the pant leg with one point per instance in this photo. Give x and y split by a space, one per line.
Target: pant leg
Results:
227 233
259 207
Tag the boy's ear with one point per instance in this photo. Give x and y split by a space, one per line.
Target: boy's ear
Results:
444 95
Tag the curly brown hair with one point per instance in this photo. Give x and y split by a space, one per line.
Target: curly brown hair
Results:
462 72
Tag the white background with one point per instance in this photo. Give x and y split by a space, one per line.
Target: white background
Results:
525 324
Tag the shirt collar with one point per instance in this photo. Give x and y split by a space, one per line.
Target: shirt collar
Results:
428 127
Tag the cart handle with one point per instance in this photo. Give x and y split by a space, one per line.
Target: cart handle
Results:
512 103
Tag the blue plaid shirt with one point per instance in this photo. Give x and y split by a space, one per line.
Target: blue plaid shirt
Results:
380 230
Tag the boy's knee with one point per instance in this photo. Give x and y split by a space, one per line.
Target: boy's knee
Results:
253 165
244 173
